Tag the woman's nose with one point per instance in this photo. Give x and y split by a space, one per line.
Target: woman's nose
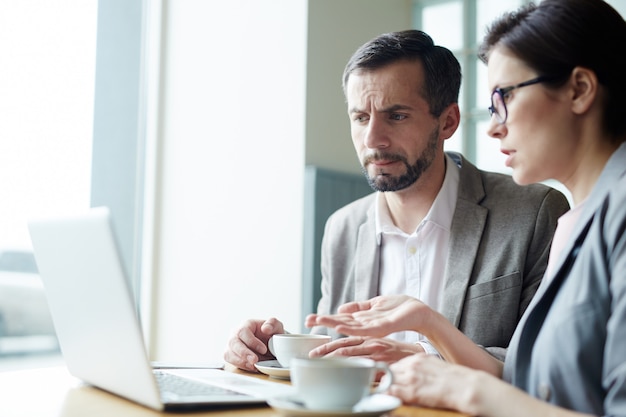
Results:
495 129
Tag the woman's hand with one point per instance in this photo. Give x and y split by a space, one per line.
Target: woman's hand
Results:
376 317
428 381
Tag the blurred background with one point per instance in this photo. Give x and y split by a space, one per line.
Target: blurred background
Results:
178 115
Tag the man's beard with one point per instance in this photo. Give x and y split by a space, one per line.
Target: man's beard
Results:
385 182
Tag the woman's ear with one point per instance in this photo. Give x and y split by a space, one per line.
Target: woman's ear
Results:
584 84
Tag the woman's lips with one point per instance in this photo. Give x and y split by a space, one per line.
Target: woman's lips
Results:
509 160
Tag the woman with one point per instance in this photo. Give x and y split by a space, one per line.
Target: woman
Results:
558 78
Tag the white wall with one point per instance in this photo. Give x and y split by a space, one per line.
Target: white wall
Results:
228 226
250 93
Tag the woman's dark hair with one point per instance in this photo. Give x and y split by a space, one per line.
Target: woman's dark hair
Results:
442 71
556 36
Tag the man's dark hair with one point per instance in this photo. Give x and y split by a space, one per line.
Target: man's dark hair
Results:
442 71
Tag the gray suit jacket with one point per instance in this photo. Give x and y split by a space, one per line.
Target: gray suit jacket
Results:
570 347
499 245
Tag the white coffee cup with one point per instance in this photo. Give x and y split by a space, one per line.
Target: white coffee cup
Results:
288 346
337 383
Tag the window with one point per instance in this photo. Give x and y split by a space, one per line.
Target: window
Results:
47 67
72 131
459 25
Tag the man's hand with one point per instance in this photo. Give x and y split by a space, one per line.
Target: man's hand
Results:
248 345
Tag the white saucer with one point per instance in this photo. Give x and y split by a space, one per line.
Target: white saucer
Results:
372 406
273 369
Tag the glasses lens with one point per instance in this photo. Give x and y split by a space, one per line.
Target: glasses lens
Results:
498 108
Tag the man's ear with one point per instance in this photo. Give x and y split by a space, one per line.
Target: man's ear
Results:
584 83
451 118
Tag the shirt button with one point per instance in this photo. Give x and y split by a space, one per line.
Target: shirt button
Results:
544 392
412 250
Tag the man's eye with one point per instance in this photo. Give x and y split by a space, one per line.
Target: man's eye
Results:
396 116
360 118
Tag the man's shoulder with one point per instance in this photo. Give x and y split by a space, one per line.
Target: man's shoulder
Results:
494 188
360 205
500 186
504 183
356 212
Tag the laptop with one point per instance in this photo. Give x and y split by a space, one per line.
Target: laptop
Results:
99 331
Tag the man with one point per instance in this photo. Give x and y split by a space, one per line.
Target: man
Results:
472 245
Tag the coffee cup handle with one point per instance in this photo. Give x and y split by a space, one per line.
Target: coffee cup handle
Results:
270 345
386 380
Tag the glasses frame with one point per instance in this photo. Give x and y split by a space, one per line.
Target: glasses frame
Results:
503 92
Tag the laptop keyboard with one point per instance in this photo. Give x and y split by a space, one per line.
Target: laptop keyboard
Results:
173 386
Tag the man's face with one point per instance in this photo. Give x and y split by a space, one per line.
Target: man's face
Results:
395 136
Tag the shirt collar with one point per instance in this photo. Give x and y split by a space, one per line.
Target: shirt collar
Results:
440 212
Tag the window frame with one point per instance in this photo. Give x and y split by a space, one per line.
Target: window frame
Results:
471 113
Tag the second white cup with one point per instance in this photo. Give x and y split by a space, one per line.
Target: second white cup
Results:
337 384
286 347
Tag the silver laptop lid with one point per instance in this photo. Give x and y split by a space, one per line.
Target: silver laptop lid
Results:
92 306
97 325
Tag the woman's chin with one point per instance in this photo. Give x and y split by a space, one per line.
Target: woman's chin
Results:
521 178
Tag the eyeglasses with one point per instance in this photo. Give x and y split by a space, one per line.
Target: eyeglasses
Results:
498 106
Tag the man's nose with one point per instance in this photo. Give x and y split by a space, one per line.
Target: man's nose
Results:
377 134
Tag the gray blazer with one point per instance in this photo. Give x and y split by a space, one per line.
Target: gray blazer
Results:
499 245
570 346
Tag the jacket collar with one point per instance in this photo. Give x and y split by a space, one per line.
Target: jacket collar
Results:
614 169
467 228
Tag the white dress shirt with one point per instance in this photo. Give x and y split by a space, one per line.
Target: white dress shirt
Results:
415 264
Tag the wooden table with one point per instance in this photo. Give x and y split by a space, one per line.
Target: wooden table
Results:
53 392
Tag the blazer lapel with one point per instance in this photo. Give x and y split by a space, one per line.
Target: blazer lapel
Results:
467 228
466 231
367 267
